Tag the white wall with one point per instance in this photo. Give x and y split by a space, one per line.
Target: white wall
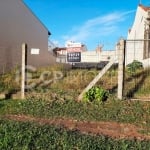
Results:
93 56
134 49
90 56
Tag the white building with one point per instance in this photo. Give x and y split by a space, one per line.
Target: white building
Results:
72 46
85 56
138 45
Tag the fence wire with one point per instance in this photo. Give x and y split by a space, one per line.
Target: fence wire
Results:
137 71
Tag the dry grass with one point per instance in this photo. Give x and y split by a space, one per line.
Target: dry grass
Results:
72 82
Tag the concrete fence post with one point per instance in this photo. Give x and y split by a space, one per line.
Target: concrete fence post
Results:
121 67
95 80
23 66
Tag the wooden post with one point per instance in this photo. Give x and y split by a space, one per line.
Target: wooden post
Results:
24 53
121 68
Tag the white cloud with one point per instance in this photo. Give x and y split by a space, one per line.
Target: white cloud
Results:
99 26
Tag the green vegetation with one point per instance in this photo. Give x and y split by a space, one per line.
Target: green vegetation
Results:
137 113
17 135
137 84
8 82
57 99
134 66
59 81
96 95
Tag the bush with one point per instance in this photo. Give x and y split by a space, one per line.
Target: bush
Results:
134 66
96 94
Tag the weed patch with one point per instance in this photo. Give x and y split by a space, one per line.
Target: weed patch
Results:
17 135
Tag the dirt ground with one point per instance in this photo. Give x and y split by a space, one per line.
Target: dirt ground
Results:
110 129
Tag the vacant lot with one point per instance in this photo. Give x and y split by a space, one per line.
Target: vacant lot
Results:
50 117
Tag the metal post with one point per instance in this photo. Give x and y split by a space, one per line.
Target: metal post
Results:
121 68
24 51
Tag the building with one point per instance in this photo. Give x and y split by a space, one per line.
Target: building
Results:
61 54
71 48
138 44
97 55
77 54
19 25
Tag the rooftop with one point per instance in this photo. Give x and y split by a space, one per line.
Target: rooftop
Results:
145 8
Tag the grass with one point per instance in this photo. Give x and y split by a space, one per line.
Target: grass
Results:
63 79
20 135
57 99
113 110
8 82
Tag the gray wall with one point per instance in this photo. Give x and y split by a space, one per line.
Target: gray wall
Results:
17 25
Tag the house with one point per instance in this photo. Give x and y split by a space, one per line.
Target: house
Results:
138 44
61 54
19 25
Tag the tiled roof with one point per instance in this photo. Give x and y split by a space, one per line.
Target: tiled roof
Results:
144 7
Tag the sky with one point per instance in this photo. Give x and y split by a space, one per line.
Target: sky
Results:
91 22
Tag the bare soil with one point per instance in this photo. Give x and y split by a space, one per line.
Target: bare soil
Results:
111 129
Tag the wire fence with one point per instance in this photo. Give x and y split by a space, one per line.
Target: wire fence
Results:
137 72
136 79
